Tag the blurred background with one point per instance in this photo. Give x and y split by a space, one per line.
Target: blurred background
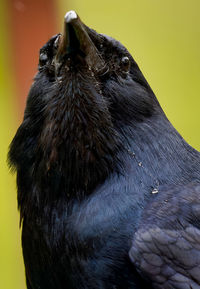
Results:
163 37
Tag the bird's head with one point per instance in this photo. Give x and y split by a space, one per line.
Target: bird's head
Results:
83 60
87 89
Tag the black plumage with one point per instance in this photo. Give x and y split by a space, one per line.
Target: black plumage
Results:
107 188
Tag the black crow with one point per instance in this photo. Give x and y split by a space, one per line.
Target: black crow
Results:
108 190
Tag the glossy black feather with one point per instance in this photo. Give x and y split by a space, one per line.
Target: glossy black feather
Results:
89 153
166 246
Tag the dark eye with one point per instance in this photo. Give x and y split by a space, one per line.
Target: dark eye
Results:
125 63
43 58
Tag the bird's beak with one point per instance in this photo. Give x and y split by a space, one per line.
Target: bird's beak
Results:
75 40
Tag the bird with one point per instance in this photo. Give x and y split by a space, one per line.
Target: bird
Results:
108 191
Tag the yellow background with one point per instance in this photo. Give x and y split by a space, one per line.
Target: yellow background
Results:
163 37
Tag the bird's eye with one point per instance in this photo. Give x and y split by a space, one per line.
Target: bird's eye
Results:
125 62
43 59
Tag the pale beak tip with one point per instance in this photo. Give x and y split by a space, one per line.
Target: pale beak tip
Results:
70 16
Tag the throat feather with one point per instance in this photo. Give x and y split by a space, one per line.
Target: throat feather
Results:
78 138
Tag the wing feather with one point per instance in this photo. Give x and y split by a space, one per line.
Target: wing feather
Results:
166 246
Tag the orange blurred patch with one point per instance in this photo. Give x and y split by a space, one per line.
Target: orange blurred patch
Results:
32 24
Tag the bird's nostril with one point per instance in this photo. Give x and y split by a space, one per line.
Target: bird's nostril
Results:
57 41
